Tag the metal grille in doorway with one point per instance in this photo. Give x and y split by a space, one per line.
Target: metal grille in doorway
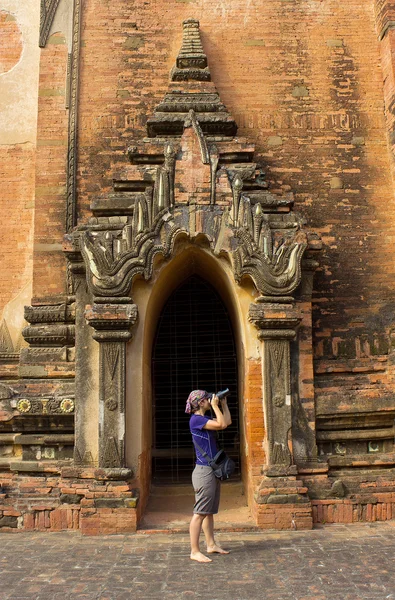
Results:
194 349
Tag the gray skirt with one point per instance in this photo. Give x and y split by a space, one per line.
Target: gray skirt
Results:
207 490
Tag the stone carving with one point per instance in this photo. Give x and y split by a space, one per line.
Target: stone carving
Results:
277 324
112 398
36 355
24 405
111 353
191 121
67 405
272 258
57 313
112 356
114 258
111 404
50 406
47 15
110 457
191 58
278 400
112 323
82 458
268 247
55 335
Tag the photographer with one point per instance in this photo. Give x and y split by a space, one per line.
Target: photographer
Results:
205 484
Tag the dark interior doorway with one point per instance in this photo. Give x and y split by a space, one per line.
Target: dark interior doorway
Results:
194 348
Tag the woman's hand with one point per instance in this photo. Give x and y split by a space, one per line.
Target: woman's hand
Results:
214 401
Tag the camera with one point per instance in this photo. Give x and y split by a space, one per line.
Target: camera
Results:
221 394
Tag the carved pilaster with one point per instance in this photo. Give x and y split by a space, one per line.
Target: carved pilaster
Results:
111 322
277 324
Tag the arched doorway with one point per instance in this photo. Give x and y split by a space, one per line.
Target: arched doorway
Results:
194 348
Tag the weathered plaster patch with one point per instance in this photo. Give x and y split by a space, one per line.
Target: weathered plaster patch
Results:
13 315
18 99
63 22
10 42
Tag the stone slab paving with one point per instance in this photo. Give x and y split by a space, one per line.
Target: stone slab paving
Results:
336 562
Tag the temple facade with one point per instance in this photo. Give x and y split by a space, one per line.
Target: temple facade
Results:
196 196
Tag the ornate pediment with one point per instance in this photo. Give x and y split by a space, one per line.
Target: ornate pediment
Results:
193 177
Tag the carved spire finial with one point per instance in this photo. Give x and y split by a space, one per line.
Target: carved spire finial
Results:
191 88
191 61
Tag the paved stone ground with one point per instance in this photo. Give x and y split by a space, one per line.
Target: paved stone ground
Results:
336 562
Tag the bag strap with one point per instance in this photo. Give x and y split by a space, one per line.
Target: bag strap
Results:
202 451
209 460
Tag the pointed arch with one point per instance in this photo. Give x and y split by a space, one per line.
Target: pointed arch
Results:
188 259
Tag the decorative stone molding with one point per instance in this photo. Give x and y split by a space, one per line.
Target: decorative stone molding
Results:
190 185
51 339
71 206
57 313
274 320
49 335
45 406
112 321
47 14
51 325
191 60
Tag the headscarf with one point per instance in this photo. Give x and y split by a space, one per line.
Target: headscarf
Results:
194 399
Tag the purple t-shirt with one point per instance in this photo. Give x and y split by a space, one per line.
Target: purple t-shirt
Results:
206 438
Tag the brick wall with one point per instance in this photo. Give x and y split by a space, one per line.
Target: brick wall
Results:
56 500
50 192
16 178
10 41
17 207
254 423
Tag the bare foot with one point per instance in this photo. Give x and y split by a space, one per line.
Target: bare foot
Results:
217 549
199 557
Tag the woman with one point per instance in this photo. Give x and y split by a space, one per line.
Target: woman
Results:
205 484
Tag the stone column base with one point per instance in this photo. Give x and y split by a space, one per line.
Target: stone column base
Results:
282 503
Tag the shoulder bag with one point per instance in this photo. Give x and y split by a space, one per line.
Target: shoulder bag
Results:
221 464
